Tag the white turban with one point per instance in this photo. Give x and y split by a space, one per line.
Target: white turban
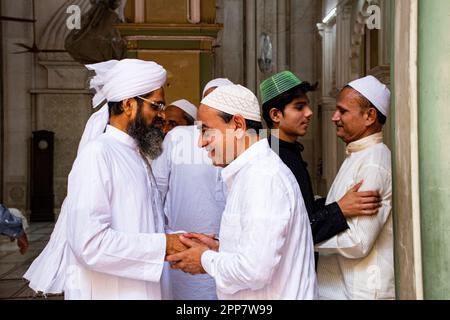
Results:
116 81
216 83
234 99
186 106
374 91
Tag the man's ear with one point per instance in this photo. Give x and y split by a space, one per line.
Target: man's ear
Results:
239 122
239 125
275 115
128 106
371 117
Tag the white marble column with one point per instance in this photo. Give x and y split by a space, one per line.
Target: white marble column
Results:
328 104
330 164
343 53
326 32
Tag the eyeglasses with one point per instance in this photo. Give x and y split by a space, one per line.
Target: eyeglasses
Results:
159 106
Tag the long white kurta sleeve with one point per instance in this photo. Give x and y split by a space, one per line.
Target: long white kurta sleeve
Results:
264 224
357 241
95 244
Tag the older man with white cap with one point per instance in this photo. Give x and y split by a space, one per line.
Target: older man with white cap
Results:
109 241
179 113
266 248
358 263
194 198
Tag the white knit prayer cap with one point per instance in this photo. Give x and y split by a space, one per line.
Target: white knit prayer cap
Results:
216 83
186 106
116 81
234 99
374 91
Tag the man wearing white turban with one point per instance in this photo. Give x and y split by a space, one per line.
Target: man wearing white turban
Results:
109 241
266 246
358 263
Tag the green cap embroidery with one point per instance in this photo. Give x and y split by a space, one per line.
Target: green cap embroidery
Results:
278 84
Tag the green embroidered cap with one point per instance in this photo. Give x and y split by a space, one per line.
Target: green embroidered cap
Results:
278 84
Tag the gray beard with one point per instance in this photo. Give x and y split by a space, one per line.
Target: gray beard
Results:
148 138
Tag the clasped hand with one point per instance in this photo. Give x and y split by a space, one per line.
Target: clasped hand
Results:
184 251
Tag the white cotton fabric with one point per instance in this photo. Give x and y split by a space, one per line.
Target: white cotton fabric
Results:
186 106
194 199
266 245
95 126
359 263
375 91
216 83
17 213
109 241
234 99
115 81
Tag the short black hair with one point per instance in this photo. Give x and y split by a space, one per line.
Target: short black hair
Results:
282 100
115 108
250 124
366 104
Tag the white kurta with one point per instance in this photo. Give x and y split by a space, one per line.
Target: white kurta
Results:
115 244
358 263
192 192
266 245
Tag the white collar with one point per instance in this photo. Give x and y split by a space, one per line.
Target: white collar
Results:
364 143
121 136
257 150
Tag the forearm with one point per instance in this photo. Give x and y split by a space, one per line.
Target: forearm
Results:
327 221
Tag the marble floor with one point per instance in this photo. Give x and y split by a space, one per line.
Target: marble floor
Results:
13 265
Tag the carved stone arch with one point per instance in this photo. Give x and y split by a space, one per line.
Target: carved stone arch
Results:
56 31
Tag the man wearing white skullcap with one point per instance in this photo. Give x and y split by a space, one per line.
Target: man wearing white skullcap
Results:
358 263
109 241
266 247
179 113
194 198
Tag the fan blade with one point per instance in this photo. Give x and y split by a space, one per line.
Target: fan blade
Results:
19 52
24 46
17 19
50 51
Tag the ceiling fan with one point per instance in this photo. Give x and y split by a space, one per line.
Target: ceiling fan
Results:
16 19
34 48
